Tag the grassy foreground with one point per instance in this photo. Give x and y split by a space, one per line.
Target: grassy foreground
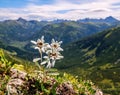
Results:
30 80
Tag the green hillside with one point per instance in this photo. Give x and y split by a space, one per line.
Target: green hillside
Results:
19 32
16 32
70 31
17 51
96 58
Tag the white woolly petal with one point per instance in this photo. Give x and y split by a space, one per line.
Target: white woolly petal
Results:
46 57
36 59
37 48
48 46
43 49
44 62
53 41
60 42
51 57
48 51
38 40
53 63
34 42
42 38
60 49
58 53
48 65
59 57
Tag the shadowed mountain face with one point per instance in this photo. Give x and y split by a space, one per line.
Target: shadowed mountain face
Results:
96 58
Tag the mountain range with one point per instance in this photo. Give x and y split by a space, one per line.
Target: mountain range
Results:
12 31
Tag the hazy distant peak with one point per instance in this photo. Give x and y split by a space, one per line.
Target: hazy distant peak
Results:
21 20
110 19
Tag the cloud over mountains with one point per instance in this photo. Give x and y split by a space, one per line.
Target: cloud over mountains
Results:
62 9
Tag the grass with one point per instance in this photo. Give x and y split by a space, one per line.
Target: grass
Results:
39 80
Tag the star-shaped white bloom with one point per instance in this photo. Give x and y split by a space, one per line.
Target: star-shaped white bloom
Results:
56 45
36 59
41 45
51 58
51 52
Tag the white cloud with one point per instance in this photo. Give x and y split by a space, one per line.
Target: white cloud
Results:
70 10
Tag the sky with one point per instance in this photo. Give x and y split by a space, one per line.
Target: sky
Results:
58 9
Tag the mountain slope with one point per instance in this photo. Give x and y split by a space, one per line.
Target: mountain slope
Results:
17 51
70 31
19 29
96 58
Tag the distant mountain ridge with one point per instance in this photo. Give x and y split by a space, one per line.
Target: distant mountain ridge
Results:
109 19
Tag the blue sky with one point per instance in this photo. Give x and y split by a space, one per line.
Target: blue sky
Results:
22 3
58 9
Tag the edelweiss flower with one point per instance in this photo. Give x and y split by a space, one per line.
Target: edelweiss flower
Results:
56 45
51 52
55 55
51 58
41 45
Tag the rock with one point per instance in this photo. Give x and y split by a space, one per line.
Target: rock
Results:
98 92
16 83
17 74
65 89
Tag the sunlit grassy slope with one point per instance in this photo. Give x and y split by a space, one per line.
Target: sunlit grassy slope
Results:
96 58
